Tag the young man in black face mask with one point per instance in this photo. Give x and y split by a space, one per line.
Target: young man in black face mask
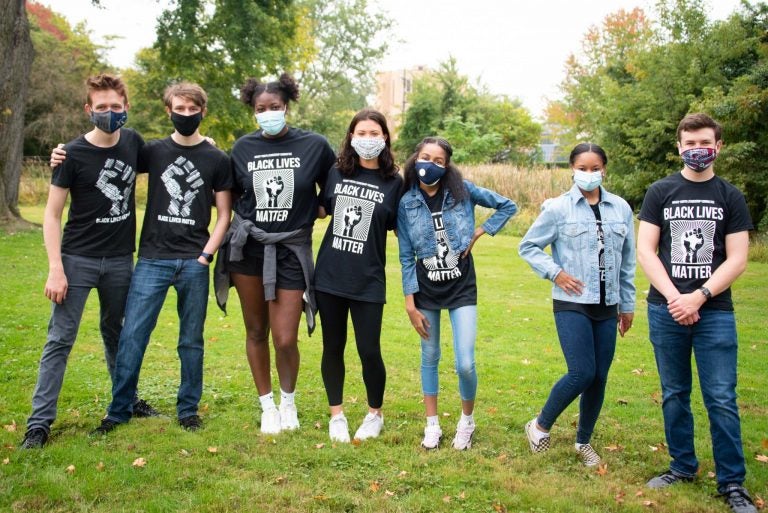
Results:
96 249
187 175
692 244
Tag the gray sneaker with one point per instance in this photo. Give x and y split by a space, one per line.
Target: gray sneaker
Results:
738 499
666 479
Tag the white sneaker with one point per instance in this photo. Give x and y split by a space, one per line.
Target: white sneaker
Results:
371 426
338 429
270 421
463 438
289 418
432 436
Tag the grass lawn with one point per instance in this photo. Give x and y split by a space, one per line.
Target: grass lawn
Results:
230 466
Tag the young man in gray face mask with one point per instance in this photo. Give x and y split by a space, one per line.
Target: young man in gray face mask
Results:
96 248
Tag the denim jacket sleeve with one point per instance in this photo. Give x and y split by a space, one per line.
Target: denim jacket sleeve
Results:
407 254
505 207
541 234
628 264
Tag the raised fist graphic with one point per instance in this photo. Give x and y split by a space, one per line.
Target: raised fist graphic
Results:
110 190
693 240
442 252
274 186
352 216
175 182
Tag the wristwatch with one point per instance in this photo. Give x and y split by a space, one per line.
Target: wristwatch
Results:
209 257
706 292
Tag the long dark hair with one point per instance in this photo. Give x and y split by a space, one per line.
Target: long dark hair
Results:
348 157
285 87
452 180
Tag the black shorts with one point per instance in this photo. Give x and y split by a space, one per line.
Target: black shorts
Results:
289 273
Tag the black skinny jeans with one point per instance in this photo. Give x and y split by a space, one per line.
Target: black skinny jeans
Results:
366 321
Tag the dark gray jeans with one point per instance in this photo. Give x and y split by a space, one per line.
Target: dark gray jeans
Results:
111 277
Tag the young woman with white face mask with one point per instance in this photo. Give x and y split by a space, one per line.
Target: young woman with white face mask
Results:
361 193
592 267
277 171
436 232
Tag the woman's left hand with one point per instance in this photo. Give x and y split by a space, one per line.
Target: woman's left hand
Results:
625 322
479 231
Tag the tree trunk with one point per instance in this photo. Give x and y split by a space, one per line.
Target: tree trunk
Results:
16 54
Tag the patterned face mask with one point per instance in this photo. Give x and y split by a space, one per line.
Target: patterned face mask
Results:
699 159
368 147
108 121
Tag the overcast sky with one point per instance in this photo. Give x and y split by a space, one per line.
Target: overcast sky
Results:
517 48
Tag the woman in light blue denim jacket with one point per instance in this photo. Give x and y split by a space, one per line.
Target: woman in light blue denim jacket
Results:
592 267
436 231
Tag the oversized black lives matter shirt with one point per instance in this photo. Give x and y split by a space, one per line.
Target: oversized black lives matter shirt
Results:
182 182
277 178
694 218
102 209
352 256
445 280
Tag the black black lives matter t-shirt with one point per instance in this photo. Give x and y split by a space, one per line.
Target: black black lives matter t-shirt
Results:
182 182
352 256
445 280
694 218
599 311
277 178
102 209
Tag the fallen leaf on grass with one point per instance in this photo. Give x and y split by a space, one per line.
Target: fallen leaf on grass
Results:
402 473
462 496
492 410
447 499
6 461
204 408
638 372
70 469
139 463
623 402
356 442
602 469
764 443
649 504
614 448
525 361
759 502
213 450
317 425
639 493
319 446
711 474
184 453
502 457
388 493
762 458
499 508
100 466
375 485
131 447
11 427
661 446
446 414
279 479
619 497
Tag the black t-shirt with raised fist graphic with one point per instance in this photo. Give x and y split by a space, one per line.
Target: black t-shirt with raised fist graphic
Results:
182 182
352 256
446 280
694 218
102 209
277 179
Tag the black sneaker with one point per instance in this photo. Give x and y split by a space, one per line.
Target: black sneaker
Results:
738 499
34 438
191 423
105 427
142 408
666 479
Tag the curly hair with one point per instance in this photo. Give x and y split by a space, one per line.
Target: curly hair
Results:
348 157
452 179
285 87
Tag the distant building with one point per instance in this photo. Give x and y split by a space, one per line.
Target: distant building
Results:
552 152
392 89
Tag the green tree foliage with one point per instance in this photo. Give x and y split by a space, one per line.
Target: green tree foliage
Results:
347 40
638 77
64 56
481 127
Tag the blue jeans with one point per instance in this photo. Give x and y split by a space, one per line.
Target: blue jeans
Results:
151 280
714 344
588 347
110 276
464 326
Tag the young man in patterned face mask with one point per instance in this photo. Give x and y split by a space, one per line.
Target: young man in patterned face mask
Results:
692 244
96 249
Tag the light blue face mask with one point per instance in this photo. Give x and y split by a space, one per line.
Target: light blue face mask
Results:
586 180
271 122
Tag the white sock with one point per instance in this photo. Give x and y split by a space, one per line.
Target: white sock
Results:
467 419
538 434
433 421
287 397
267 402
578 446
339 415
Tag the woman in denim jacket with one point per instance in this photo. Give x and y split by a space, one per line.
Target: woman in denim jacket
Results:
436 231
592 267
